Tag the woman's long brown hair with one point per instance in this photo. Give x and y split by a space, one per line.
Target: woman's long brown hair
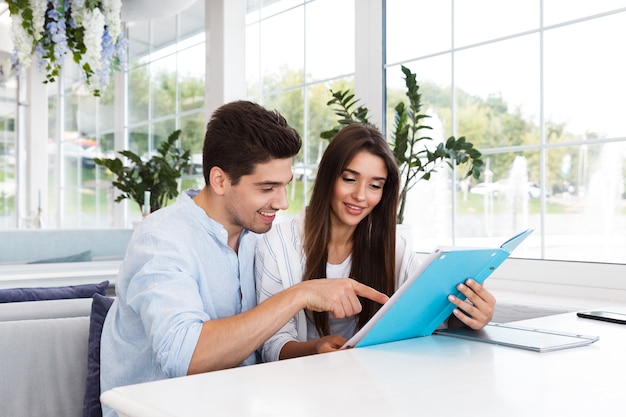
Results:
374 240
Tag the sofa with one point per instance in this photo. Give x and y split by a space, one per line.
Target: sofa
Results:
49 355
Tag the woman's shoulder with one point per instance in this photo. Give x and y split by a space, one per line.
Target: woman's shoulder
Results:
288 225
285 231
402 243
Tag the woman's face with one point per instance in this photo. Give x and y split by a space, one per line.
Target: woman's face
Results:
358 189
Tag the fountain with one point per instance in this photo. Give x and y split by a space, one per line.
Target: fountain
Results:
516 190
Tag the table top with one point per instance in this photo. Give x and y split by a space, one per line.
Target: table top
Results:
429 376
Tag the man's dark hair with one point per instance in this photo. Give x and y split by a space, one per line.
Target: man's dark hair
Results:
243 134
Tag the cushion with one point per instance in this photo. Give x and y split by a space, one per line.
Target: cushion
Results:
99 309
42 367
12 295
78 257
45 309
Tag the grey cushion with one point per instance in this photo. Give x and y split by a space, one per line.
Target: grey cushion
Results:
43 367
45 309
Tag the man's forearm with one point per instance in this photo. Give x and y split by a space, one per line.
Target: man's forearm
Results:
225 343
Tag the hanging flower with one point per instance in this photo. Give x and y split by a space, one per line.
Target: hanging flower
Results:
87 30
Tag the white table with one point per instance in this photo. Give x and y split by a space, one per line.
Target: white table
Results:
430 376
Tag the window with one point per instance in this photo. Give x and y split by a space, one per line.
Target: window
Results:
536 85
74 197
538 91
8 152
166 79
293 59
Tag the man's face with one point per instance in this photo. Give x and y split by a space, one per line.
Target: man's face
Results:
254 202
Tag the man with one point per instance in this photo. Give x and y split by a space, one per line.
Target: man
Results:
186 300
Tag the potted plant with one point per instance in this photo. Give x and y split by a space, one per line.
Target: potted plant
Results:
151 183
415 159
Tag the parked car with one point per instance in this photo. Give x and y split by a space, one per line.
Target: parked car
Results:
485 188
300 171
503 187
76 153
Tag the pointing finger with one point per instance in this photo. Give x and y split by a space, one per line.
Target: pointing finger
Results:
363 290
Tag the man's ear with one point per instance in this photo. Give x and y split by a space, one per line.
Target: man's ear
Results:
218 180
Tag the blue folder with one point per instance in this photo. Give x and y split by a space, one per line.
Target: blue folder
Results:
421 304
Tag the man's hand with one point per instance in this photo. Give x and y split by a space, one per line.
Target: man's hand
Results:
478 306
339 296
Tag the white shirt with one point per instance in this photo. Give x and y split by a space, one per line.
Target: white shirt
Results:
345 327
178 273
279 264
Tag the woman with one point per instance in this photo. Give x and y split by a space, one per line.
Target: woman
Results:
348 230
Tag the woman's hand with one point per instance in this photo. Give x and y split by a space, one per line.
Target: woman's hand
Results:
295 349
476 310
329 343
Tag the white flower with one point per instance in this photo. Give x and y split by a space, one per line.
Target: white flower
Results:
93 21
112 10
78 11
39 13
22 41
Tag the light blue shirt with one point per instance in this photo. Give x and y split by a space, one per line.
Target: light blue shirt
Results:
178 272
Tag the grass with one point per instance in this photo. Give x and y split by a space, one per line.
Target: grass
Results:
475 204
82 196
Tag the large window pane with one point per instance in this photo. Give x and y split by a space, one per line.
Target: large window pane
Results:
498 92
481 20
507 199
192 138
253 60
138 41
191 77
586 217
291 105
163 86
282 48
433 75
8 154
417 28
139 140
584 77
138 94
160 132
320 116
106 109
559 11
329 48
